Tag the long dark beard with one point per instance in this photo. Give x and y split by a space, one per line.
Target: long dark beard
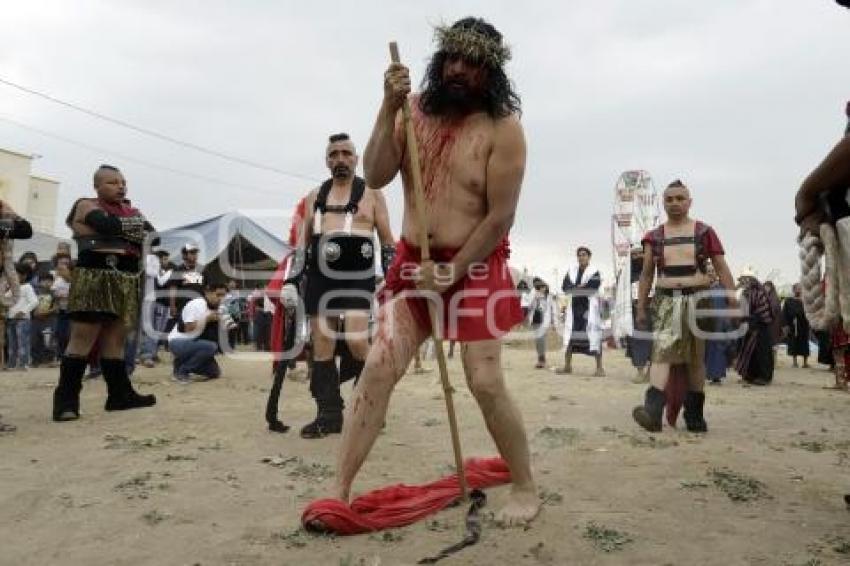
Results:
458 101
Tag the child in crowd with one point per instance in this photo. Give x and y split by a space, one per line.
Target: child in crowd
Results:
61 290
18 323
44 323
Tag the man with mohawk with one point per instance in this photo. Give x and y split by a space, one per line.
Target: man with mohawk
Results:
105 292
676 256
335 251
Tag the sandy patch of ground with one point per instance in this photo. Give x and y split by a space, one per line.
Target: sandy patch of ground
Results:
186 482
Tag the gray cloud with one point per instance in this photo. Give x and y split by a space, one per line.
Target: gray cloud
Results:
740 98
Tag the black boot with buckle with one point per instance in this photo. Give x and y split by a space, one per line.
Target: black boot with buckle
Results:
120 393
694 403
324 385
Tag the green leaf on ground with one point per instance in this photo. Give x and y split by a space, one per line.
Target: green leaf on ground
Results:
605 539
738 487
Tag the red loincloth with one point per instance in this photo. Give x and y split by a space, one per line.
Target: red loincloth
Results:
401 505
675 391
468 323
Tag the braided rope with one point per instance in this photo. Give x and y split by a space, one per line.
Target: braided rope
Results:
842 269
8 276
820 309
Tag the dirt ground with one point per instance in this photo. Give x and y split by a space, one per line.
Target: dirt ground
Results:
186 483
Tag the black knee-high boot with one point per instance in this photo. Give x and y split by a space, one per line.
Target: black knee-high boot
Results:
324 385
275 424
66 396
694 419
120 393
350 368
649 414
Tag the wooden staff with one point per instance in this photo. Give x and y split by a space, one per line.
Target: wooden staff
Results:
425 255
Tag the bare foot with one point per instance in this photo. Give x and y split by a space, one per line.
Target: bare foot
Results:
599 372
567 370
522 507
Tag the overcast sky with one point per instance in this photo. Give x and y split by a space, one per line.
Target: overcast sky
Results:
739 98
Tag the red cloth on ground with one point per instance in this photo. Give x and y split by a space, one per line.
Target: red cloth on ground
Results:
400 505
489 294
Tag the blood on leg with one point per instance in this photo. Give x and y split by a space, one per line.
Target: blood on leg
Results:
397 338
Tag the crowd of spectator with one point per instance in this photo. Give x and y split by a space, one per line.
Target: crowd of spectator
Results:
36 326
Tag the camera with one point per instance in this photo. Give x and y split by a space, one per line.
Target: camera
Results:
6 227
225 319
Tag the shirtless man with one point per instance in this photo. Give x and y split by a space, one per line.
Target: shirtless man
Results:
340 219
472 153
678 251
823 197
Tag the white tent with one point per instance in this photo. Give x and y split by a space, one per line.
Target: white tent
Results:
233 238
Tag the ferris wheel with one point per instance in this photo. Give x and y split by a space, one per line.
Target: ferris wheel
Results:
636 211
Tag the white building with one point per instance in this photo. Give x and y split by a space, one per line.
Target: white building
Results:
33 197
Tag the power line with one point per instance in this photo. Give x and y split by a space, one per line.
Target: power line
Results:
142 162
155 134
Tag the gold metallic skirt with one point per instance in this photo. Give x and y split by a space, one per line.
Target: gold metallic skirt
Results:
106 292
673 338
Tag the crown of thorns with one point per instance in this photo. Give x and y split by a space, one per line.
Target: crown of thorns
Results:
472 45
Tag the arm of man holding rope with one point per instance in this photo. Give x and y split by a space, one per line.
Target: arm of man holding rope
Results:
832 173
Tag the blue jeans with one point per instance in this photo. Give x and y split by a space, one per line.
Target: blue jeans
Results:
42 340
262 330
131 345
195 356
18 341
158 320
